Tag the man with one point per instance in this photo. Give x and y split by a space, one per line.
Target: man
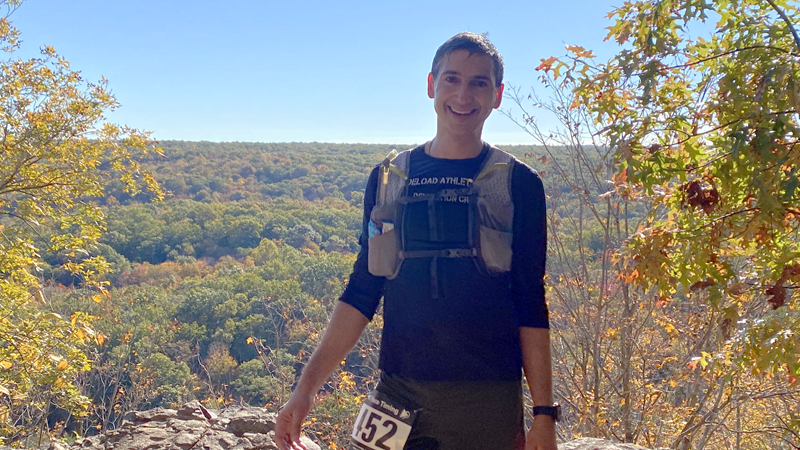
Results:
454 241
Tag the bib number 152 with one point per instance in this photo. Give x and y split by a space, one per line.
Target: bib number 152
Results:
376 430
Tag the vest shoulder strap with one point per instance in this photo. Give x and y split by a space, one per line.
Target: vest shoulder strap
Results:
494 177
389 187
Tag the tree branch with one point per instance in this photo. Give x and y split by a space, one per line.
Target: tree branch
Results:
718 219
729 52
788 22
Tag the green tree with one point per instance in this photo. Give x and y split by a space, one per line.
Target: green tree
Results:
170 380
57 153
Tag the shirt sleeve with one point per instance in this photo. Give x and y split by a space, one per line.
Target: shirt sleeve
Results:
364 290
529 247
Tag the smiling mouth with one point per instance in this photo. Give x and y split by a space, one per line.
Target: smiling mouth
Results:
459 112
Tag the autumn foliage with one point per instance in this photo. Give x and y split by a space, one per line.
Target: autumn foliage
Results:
57 153
695 120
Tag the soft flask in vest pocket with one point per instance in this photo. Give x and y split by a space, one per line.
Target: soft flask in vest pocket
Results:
383 249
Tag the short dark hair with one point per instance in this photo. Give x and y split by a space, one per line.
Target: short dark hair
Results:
473 43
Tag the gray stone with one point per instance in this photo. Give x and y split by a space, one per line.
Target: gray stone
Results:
190 427
156 414
244 419
308 443
186 439
187 425
194 410
597 444
260 441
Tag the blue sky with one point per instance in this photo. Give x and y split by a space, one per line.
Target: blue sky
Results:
269 71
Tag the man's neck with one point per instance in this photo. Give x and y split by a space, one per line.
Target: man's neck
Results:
445 147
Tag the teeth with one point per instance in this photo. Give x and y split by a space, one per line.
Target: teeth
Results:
463 113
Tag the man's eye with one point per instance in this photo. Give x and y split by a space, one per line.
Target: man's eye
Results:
480 83
451 79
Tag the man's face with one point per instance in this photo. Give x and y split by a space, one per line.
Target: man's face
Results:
464 92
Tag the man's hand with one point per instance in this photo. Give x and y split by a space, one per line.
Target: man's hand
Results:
536 361
542 435
291 416
343 332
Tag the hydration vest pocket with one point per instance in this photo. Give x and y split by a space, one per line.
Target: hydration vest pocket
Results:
495 249
383 252
495 235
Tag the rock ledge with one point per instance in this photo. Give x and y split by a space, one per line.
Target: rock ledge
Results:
191 427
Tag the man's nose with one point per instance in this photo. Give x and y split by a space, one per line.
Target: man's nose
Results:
464 93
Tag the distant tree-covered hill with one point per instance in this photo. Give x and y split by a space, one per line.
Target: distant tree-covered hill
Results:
234 171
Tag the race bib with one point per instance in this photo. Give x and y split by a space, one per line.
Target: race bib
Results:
382 424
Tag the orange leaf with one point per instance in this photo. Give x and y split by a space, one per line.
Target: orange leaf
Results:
580 51
547 63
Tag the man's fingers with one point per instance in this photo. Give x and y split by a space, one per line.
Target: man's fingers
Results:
283 428
287 431
295 431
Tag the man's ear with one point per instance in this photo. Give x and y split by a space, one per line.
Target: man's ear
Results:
499 96
430 85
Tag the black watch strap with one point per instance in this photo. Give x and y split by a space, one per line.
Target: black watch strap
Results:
552 411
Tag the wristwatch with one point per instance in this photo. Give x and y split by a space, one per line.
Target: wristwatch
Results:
552 411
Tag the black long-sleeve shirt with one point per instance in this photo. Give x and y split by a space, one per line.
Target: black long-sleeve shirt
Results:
470 330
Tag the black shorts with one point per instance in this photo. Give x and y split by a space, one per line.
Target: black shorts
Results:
461 415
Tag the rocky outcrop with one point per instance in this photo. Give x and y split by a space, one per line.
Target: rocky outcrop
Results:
597 444
192 427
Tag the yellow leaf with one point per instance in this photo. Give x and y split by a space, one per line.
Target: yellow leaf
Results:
704 357
250 340
100 339
62 365
6 365
97 298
